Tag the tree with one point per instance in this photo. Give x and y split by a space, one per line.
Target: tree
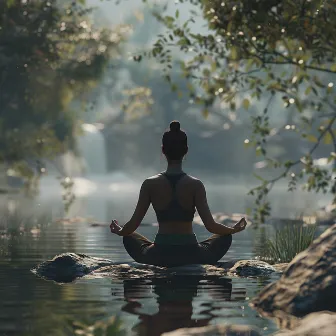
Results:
51 56
280 53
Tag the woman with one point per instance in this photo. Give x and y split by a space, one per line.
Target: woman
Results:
174 196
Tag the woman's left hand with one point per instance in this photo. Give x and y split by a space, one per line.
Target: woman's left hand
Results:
114 227
240 226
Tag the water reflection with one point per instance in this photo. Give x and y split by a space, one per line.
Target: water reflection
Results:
174 296
29 305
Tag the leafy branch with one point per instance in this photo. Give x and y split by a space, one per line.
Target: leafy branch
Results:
253 49
261 192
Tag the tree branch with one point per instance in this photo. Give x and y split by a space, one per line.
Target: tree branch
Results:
270 183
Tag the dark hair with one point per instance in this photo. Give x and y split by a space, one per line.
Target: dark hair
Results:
174 142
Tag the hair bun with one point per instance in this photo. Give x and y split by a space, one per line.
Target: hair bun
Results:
175 126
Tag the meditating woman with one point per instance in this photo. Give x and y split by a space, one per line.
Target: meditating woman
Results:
174 196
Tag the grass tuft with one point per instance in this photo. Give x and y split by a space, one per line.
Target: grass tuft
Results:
287 242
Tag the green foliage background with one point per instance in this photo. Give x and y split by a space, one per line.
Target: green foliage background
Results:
280 53
51 56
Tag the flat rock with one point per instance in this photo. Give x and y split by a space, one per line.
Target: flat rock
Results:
252 268
308 284
315 324
67 267
216 330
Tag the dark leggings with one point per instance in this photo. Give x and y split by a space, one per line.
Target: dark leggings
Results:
208 251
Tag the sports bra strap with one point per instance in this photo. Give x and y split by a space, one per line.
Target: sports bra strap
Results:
174 211
173 179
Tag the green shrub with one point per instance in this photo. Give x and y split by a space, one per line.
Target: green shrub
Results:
287 242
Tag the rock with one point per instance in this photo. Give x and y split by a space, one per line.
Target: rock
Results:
252 268
216 330
308 284
126 271
280 268
67 267
315 324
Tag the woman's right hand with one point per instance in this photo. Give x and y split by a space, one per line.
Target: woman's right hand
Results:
114 227
240 226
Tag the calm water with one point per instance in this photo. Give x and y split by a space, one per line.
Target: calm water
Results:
31 306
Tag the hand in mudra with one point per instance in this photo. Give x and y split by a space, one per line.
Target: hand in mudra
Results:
241 225
114 227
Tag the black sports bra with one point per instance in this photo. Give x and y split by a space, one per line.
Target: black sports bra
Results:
174 212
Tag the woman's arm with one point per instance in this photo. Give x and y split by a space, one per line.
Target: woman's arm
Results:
139 212
206 216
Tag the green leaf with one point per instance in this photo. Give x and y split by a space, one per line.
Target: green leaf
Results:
258 151
234 53
298 105
206 72
308 90
169 19
311 138
246 103
205 113
249 64
258 177
327 139
177 13
213 66
315 91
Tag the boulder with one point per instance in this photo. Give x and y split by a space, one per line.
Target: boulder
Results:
67 267
216 330
252 268
315 324
308 284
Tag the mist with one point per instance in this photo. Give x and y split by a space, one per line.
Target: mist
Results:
117 150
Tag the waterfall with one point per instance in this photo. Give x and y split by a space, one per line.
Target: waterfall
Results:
92 149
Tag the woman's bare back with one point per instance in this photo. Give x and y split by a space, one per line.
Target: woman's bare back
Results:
161 194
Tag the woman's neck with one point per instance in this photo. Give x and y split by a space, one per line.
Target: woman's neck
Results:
174 167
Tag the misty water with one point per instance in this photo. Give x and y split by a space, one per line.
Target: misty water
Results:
32 306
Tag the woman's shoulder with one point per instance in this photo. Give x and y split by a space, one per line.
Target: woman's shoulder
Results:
160 176
193 178
195 182
153 179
